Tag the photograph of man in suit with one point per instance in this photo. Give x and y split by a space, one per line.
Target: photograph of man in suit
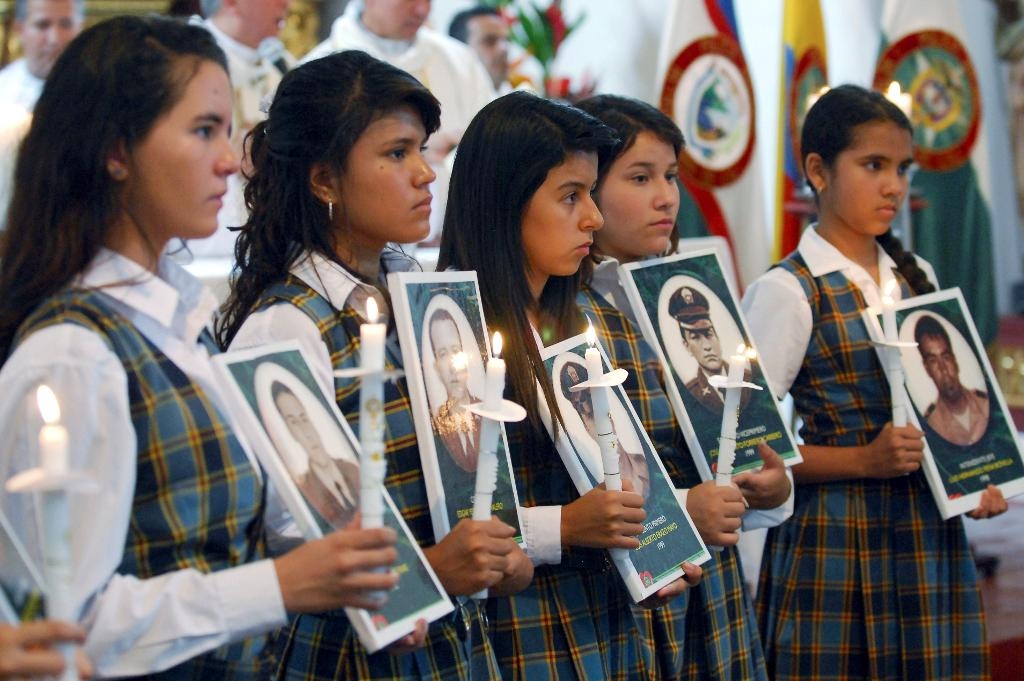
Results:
457 428
690 308
632 466
329 485
959 415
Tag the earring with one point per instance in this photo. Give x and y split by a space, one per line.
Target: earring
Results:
330 211
118 173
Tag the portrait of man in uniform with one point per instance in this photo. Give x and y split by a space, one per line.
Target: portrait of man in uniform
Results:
330 485
632 465
690 308
959 415
456 427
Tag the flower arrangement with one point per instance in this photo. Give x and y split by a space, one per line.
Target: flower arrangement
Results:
540 31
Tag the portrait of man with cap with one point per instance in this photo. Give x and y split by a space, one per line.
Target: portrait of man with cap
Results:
690 308
632 466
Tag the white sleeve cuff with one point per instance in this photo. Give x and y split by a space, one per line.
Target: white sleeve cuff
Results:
542 533
245 615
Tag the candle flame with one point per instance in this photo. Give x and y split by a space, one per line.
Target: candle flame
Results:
591 334
496 344
460 361
48 405
371 310
741 349
813 98
894 92
751 354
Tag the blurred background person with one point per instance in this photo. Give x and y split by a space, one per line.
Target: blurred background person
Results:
247 31
486 32
44 28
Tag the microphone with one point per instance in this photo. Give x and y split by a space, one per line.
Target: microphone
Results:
273 50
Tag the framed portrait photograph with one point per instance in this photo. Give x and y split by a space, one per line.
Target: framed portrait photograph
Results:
445 348
687 311
970 439
312 458
22 588
669 537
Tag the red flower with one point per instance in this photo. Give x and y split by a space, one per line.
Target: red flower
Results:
557 23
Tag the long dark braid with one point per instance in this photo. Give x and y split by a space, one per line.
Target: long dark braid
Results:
906 263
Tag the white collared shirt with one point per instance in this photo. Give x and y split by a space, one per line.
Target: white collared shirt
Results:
283 322
134 626
779 314
18 86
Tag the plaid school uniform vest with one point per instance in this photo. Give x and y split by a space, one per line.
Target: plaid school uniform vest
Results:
325 646
710 632
841 390
865 580
198 500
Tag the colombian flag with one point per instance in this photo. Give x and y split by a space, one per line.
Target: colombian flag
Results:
804 73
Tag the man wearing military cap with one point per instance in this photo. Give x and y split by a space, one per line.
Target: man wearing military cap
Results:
690 308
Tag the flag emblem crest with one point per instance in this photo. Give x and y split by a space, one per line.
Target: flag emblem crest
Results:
708 93
936 69
808 80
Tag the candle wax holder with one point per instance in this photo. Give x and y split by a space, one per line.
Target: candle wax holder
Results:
610 379
391 375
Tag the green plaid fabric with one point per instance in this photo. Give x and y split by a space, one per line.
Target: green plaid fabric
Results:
198 500
710 632
865 581
325 646
574 620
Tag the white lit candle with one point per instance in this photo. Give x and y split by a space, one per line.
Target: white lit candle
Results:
53 455
487 463
901 99
602 416
893 365
730 416
53 437
371 418
603 425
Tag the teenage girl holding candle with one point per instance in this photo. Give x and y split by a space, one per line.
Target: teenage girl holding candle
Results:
865 580
638 194
129 150
338 173
520 213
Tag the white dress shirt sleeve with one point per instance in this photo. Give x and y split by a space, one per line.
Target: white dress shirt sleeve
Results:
779 317
542 533
285 322
133 626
